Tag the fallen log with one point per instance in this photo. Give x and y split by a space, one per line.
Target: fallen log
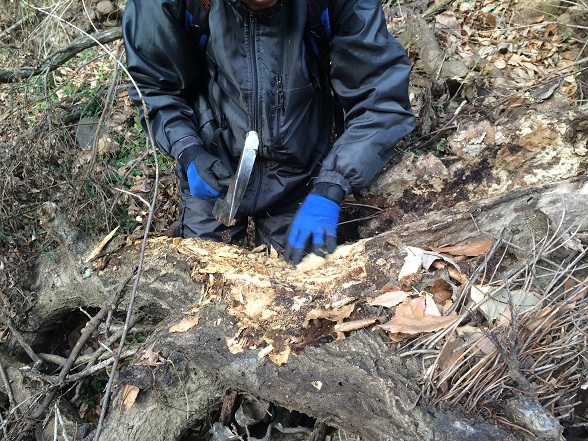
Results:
490 155
241 320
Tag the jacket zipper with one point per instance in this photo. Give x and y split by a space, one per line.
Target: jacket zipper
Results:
255 84
279 110
255 104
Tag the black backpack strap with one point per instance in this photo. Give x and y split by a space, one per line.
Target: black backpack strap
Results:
319 35
196 22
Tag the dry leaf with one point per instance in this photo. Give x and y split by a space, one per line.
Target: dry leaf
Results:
388 288
499 63
354 325
474 334
412 308
483 343
471 249
186 324
389 299
456 275
416 259
411 326
130 393
441 290
448 358
149 358
494 302
409 273
431 306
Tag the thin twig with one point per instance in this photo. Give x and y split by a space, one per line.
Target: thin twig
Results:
135 196
19 338
90 327
62 55
100 366
8 389
4 431
107 392
16 25
63 431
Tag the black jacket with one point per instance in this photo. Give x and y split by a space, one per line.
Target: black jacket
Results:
256 75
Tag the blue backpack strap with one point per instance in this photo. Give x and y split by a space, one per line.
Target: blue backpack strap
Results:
318 27
196 22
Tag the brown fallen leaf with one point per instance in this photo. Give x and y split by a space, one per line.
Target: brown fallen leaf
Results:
398 337
441 290
411 326
130 394
412 308
388 288
456 275
389 299
185 324
149 358
449 357
354 325
470 249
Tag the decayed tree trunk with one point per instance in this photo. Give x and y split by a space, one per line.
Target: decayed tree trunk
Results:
490 156
236 320
359 384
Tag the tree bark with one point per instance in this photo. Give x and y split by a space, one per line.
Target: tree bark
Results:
232 319
539 143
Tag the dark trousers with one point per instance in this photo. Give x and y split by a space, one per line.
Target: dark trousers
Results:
196 220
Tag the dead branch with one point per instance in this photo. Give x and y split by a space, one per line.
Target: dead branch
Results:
60 56
7 387
436 8
19 338
90 327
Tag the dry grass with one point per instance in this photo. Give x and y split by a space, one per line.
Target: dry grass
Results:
541 351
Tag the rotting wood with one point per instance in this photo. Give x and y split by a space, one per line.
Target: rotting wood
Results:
247 302
544 145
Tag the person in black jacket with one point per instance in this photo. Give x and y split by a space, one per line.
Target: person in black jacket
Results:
258 73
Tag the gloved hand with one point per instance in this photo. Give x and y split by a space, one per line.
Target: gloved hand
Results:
314 229
206 174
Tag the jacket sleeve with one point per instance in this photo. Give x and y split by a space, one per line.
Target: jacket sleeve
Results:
369 73
163 65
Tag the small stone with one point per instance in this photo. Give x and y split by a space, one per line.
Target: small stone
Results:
105 7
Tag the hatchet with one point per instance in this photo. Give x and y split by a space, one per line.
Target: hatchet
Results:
225 209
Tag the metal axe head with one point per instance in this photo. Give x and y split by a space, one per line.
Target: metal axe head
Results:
225 209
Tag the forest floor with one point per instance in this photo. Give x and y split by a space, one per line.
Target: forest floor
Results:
72 136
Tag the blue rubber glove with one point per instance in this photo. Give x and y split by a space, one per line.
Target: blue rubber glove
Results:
206 174
314 229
